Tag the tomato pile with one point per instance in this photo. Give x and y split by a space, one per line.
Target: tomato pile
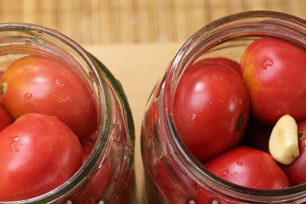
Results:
234 116
48 117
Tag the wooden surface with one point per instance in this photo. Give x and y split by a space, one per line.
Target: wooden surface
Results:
133 21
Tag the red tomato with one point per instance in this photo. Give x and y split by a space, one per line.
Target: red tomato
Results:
274 71
249 167
295 170
211 109
40 85
37 154
223 61
97 186
5 118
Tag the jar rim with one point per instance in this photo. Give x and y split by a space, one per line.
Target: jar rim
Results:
222 30
100 145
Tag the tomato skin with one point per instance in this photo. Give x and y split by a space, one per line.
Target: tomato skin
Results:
223 61
295 170
250 168
37 154
5 118
38 84
211 109
274 71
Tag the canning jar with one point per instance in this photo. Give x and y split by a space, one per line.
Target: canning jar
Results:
172 174
107 176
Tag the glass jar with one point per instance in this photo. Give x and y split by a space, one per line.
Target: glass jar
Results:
172 174
108 174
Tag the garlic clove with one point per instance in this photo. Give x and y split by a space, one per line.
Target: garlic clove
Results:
283 142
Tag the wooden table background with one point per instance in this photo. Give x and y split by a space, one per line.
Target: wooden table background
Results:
135 39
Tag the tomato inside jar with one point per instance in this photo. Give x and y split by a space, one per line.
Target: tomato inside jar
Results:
58 104
225 125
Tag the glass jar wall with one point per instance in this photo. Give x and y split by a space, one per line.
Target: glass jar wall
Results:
107 176
172 174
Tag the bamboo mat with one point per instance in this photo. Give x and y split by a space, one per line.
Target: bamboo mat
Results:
133 21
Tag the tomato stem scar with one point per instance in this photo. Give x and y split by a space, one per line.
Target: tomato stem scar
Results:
239 123
3 88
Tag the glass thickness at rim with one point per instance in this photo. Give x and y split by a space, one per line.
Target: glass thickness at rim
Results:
246 24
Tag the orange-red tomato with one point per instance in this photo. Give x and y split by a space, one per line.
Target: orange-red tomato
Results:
274 71
38 84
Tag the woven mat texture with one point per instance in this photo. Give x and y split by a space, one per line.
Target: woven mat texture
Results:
133 21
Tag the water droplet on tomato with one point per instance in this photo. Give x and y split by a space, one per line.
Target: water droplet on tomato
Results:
28 95
193 116
16 139
224 173
59 83
14 145
267 63
239 163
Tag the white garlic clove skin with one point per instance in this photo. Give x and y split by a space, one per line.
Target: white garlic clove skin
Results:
283 142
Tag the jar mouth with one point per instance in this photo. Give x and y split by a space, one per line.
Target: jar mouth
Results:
249 25
24 38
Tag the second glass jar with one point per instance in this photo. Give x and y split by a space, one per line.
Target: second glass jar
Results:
172 174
